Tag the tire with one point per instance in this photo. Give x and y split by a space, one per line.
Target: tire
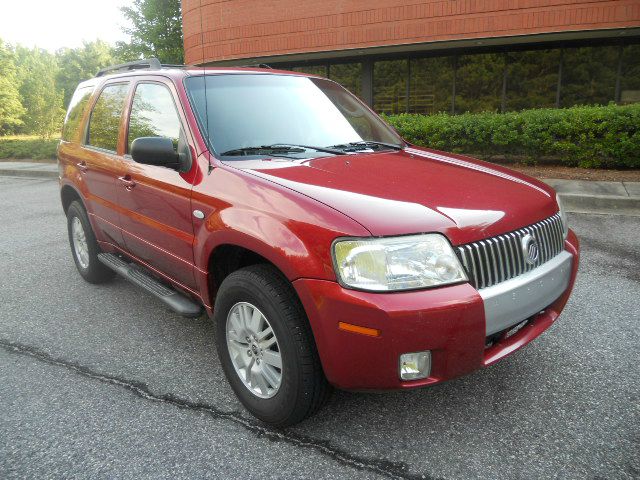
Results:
85 257
303 388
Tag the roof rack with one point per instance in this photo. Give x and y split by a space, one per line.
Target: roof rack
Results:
150 63
258 65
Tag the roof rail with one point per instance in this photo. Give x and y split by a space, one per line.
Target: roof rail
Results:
258 65
150 63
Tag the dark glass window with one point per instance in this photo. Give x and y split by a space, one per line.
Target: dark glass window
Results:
630 79
247 111
349 75
390 86
153 114
104 124
532 79
479 82
74 113
431 85
320 70
589 76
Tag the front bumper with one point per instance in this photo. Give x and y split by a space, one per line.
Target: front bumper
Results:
449 321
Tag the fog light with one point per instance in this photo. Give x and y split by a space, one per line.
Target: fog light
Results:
415 365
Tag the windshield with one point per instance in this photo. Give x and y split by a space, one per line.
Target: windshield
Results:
245 112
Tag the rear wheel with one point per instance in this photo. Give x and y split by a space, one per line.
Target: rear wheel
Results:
84 246
266 347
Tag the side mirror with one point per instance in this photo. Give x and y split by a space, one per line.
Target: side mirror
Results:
155 151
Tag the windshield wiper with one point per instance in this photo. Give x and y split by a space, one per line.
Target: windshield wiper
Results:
309 147
363 145
279 148
262 150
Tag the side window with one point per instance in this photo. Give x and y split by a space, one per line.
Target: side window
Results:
153 114
105 117
74 113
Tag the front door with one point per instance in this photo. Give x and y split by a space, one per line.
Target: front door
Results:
156 201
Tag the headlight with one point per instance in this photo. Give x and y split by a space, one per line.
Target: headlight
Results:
563 217
397 263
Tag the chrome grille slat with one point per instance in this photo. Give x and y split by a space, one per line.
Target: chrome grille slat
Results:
511 256
487 264
501 264
497 259
513 241
502 248
548 242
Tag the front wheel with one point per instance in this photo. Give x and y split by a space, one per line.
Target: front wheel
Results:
266 347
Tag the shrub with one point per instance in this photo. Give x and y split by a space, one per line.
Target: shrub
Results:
27 147
588 137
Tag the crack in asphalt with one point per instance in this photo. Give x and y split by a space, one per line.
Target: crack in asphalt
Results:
381 467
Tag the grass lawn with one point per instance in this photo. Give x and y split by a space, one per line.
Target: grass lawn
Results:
27 146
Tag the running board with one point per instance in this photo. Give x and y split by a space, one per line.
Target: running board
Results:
175 300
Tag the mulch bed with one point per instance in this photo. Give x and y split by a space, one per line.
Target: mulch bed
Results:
571 173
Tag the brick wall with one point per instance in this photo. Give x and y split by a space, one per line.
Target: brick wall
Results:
235 29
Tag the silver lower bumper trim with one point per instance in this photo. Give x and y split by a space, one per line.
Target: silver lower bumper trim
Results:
515 300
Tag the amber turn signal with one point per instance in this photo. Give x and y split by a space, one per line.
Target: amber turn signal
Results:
370 332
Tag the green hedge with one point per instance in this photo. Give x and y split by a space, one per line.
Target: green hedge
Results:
589 137
27 147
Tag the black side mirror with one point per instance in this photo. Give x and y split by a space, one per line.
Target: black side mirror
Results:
155 151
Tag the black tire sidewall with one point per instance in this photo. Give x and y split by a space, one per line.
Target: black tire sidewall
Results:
281 406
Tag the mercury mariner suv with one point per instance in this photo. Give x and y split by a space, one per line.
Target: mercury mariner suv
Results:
328 250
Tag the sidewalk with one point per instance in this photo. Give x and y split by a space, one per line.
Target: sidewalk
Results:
579 196
29 169
583 196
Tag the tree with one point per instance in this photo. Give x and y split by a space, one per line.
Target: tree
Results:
155 31
42 99
11 109
78 64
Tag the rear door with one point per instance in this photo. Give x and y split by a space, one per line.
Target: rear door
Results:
102 162
156 216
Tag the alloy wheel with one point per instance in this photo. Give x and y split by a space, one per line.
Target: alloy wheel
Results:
254 350
80 246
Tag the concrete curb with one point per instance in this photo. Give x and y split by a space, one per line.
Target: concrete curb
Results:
582 202
29 173
605 204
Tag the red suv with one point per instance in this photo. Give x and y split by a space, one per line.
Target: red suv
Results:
327 249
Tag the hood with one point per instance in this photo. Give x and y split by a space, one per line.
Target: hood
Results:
415 191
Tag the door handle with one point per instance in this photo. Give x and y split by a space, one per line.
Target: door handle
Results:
127 182
82 166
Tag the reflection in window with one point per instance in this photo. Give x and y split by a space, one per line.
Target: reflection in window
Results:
320 70
532 79
153 114
479 82
390 86
589 76
431 85
630 79
74 113
104 124
349 75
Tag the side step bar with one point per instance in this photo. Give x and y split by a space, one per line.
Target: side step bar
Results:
178 302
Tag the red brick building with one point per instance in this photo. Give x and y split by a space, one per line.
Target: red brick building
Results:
433 55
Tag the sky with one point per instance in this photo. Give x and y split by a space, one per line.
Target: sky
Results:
52 24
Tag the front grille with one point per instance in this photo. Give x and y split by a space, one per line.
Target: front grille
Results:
494 260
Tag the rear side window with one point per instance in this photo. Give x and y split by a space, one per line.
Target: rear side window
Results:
153 114
74 113
105 117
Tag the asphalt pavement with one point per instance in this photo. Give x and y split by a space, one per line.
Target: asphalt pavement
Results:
105 382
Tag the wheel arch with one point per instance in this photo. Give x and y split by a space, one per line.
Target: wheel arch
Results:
69 194
229 256
234 237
